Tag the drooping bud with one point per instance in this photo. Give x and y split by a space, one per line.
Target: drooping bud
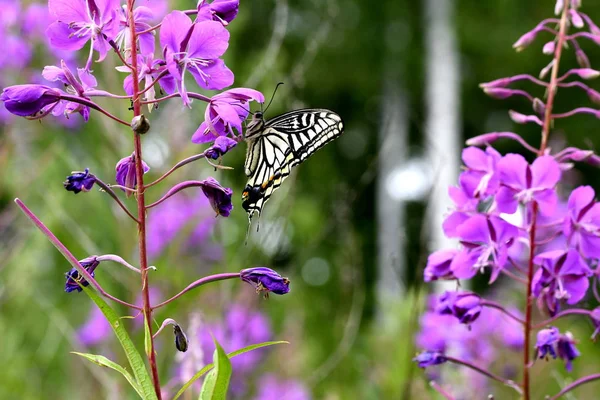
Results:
567 350
181 340
465 306
221 146
582 59
265 280
546 342
549 48
429 358
140 124
593 95
576 19
74 279
125 173
218 196
80 181
585 73
558 7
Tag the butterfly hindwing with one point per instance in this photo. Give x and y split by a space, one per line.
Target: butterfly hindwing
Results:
280 144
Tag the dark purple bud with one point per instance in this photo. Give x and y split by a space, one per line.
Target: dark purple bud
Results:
582 59
79 181
438 265
181 340
218 196
125 172
223 11
28 100
465 306
546 341
73 277
221 146
430 358
539 107
567 350
265 280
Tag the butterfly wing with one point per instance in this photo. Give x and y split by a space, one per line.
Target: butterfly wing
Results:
284 142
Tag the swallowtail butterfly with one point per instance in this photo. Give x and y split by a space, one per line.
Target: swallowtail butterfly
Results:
279 144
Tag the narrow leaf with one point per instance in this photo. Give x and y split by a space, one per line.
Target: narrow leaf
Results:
105 362
147 339
217 383
208 367
135 360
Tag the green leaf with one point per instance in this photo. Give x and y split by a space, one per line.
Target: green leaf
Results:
135 360
216 383
208 367
105 362
147 338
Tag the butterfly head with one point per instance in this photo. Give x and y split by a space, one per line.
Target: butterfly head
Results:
255 125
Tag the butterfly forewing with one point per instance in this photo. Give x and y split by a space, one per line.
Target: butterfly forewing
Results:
280 144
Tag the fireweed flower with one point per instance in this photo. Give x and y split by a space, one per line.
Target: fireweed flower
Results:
546 342
73 277
582 223
195 48
480 178
218 196
486 242
80 88
438 265
223 11
465 207
79 21
566 350
148 70
265 280
563 275
142 16
226 112
429 358
221 146
80 181
28 100
524 183
465 306
125 172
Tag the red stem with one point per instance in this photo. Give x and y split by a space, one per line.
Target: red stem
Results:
552 88
141 202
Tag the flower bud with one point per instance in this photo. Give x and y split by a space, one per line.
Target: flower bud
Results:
585 73
499 93
546 69
558 7
582 59
549 48
539 107
465 306
265 280
140 124
181 340
576 19
74 279
430 358
125 173
567 350
546 342
28 100
79 181
498 83
523 119
525 40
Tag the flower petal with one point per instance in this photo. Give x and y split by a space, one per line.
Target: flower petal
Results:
545 172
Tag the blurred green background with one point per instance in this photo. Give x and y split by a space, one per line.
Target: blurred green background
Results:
348 340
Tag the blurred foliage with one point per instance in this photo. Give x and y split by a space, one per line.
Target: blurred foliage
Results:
329 54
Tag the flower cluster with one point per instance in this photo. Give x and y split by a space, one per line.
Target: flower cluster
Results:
510 220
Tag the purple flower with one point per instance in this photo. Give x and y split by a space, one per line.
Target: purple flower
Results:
480 179
73 277
438 265
465 207
523 183
28 100
218 196
567 350
142 17
486 242
221 146
95 330
80 181
563 275
582 222
265 280
430 358
226 112
223 11
126 172
195 48
80 88
546 342
148 71
272 388
465 306
79 21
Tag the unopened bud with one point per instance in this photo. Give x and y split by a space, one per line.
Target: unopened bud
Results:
140 124
594 96
549 48
523 119
558 7
586 73
582 59
498 83
546 69
181 340
525 40
576 19
499 93
539 107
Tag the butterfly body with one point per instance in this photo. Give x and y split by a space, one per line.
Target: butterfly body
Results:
279 144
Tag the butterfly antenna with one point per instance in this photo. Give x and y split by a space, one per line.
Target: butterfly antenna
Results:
272 96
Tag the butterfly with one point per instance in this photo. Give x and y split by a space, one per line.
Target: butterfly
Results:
279 144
